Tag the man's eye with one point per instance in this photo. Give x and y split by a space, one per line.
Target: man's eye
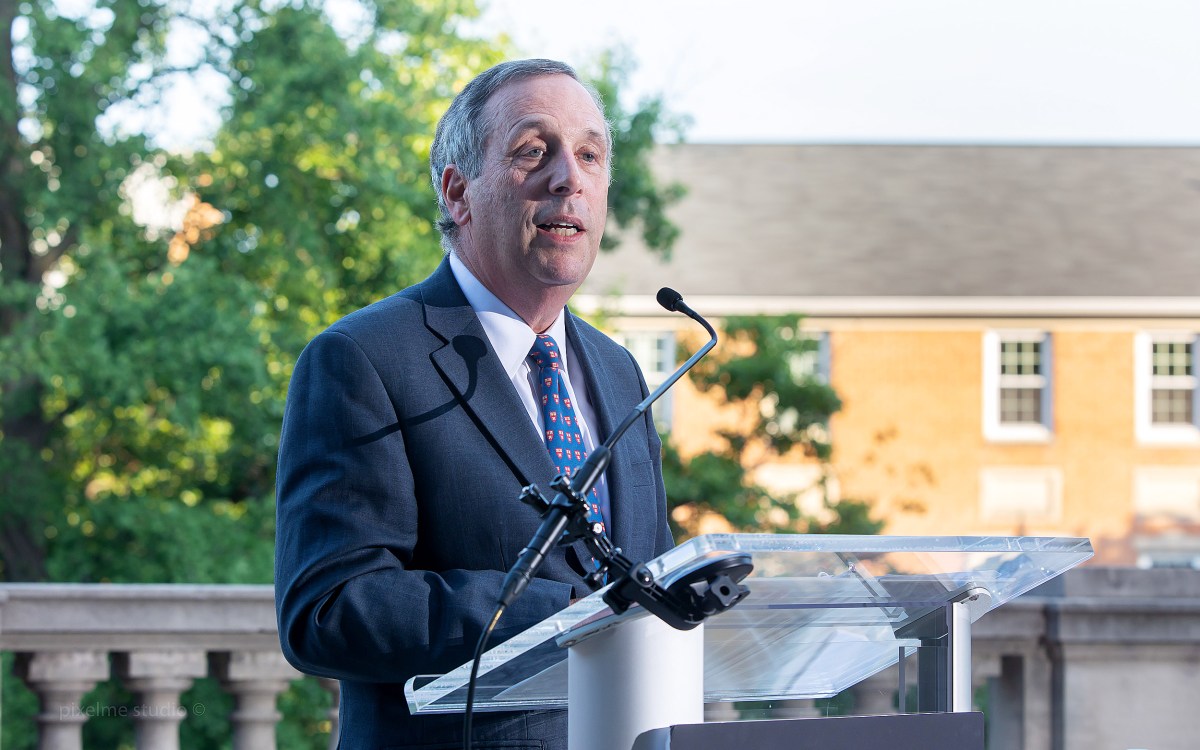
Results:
535 152
588 156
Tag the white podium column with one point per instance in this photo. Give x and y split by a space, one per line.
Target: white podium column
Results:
641 674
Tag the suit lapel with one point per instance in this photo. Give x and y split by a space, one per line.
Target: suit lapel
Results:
629 531
470 367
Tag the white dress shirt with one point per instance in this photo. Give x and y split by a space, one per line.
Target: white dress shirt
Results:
512 338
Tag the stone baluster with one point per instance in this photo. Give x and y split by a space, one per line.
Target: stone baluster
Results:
335 689
158 678
254 679
60 679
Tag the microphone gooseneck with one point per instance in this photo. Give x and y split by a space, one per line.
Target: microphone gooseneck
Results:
708 587
557 513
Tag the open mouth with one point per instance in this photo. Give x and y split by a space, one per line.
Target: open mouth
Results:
561 229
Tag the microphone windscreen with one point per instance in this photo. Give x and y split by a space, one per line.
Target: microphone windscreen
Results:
668 298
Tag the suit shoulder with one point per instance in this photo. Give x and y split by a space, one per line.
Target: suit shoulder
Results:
601 344
598 338
398 310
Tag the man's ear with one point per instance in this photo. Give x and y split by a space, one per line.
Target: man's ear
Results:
454 193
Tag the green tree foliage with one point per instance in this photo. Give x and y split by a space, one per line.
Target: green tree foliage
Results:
125 377
144 369
639 199
143 366
766 371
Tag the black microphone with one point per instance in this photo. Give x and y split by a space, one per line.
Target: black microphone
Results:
558 512
669 298
673 301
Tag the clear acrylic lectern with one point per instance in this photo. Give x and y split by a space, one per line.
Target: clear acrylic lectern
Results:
824 612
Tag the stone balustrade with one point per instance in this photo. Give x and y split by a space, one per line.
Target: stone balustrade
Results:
155 639
1101 658
1098 658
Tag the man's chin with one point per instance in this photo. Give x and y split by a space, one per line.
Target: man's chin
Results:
560 268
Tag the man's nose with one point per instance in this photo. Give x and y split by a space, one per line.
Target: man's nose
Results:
565 175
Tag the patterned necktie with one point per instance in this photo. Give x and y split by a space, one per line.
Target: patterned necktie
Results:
564 438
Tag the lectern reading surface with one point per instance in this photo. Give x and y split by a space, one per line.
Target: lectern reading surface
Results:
824 612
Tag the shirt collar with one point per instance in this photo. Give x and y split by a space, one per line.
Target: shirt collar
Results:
511 337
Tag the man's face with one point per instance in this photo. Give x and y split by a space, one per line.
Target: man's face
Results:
536 212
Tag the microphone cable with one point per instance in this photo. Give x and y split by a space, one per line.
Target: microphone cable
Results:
480 647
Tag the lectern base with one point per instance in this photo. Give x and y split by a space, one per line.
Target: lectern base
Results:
961 731
630 678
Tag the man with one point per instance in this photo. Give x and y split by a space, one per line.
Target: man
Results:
412 424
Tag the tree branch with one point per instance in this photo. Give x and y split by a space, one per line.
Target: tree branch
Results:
14 233
40 264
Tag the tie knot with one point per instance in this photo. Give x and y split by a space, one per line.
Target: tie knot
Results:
545 351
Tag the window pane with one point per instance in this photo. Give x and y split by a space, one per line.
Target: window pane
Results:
1020 358
805 365
654 351
1020 405
1172 358
1171 406
666 353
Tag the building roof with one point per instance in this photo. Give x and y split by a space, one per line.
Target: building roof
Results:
853 221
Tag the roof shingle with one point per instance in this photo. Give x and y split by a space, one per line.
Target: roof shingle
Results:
852 220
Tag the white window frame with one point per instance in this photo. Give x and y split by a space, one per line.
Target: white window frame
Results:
1031 432
663 408
1144 382
816 363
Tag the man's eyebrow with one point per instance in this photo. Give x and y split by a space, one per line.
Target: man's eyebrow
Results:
597 135
522 126
533 122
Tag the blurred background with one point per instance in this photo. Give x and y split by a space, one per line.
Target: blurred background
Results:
952 248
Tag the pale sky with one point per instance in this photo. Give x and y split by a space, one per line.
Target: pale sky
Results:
1022 71
838 71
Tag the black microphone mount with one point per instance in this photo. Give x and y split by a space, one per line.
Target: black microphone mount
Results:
707 588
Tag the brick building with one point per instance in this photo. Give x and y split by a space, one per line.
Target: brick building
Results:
1012 329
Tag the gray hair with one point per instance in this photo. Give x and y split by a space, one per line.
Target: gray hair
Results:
463 131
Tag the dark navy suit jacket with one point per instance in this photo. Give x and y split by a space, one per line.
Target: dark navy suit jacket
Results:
404 448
